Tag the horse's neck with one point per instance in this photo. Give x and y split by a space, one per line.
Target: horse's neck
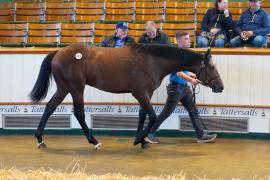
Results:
172 66
192 68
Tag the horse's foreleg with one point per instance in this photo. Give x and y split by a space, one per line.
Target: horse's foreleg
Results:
142 117
80 115
144 100
152 120
49 109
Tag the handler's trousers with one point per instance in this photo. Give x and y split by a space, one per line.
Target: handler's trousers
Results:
176 94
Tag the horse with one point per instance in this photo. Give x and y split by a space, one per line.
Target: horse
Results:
137 69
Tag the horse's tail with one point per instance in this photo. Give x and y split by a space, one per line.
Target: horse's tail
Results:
42 84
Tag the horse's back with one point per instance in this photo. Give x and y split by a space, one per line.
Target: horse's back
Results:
117 70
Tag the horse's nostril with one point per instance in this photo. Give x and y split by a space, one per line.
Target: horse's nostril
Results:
221 89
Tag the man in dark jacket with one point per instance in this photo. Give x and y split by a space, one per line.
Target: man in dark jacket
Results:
153 35
215 25
252 27
120 38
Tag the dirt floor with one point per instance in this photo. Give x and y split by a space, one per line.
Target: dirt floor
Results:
226 158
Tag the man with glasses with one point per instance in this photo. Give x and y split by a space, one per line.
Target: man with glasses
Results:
153 35
252 27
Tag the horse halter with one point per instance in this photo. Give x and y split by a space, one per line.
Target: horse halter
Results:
209 82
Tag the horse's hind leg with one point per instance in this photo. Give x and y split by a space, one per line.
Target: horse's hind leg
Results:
57 98
80 115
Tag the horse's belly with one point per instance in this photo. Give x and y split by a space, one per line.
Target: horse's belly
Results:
112 86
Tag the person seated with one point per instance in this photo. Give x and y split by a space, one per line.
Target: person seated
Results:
215 25
153 35
120 37
252 27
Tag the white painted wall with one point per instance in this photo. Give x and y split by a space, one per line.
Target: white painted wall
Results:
246 80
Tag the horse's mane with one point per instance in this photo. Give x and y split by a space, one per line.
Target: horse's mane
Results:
168 52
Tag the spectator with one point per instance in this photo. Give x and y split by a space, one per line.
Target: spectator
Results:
252 27
153 35
120 37
215 25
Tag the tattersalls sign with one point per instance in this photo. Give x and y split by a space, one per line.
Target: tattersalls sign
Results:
10 109
238 112
221 111
257 116
134 109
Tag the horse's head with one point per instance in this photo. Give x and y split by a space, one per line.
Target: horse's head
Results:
209 75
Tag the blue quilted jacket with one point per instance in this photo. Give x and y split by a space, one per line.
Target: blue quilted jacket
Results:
258 22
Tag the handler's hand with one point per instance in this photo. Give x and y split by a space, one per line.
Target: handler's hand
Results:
195 81
192 75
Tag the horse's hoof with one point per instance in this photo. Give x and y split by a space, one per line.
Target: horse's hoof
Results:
98 146
136 141
145 146
41 145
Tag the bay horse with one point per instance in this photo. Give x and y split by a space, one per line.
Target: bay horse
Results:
137 69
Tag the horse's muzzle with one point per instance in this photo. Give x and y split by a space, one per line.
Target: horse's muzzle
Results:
217 89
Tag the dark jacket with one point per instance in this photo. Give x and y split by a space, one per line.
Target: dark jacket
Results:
111 40
161 38
258 22
216 18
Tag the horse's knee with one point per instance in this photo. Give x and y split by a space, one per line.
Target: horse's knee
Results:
78 111
152 117
80 117
142 115
49 109
142 112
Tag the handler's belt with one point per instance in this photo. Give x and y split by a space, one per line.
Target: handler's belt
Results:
177 84
174 87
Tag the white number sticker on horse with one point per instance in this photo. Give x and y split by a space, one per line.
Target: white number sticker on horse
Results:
78 56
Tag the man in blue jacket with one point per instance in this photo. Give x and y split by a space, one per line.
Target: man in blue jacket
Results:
252 27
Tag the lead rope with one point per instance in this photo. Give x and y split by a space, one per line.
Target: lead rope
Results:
194 104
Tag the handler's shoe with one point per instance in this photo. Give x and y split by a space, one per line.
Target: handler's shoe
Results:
207 138
152 139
